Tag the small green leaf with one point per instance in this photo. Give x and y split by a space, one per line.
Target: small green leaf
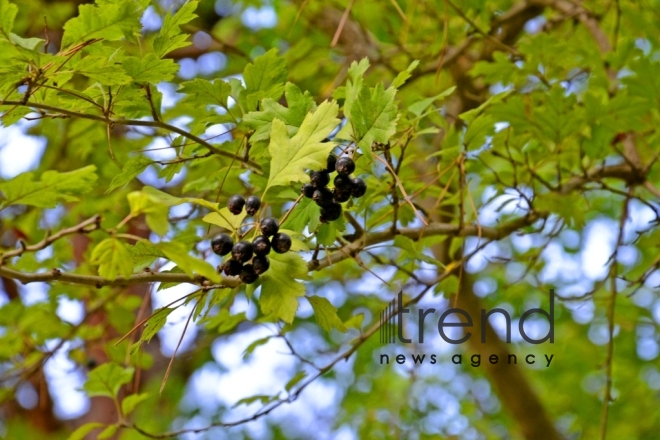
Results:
7 15
130 402
169 37
223 322
130 171
202 92
420 106
113 259
108 432
107 379
326 314
295 380
82 431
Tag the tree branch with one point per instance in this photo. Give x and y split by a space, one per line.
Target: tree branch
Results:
139 123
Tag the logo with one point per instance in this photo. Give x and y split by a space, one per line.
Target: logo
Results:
395 315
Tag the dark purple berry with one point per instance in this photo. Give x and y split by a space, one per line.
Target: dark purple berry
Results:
308 190
343 182
332 161
269 226
341 195
261 245
359 188
322 196
248 275
281 243
331 212
319 178
345 165
235 204
232 267
261 263
242 251
252 205
222 244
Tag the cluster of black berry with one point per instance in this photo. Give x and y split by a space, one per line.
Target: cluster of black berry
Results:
244 251
345 187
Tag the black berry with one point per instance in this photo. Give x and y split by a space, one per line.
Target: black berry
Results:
242 251
269 226
308 190
341 195
235 204
261 245
222 244
332 161
343 182
232 267
331 212
261 263
248 275
319 178
252 205
322 196
345 165
281 243
359 188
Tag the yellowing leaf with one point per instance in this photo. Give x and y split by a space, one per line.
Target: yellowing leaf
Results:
226 219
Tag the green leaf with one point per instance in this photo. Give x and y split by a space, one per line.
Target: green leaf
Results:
226 219
103 70
109 20
192 266
402 77
7 15
253 346
129 171
355 321
204 92
169 37
264 78
411 249
143 253
279 289
82 431
305 214
150 68
298 106
374 116
113 259
224 322
419 107
156 323
291 156
52 188
108 432
295 380
106 380
326 314
130 402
